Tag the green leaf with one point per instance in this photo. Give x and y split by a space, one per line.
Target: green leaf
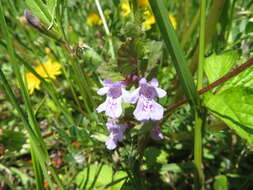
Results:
106 176
40 10
221 183
244 79
127 57
217 66
155 54
173 167
151 154
234 107
12 140
52 4
93 58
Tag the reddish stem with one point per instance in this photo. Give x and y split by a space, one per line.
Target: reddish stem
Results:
216 83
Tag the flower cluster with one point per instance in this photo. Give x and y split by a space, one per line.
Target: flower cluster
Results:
148 16
147 108
125 8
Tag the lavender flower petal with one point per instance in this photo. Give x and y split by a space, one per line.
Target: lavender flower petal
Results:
116 133
103 91
101 107
133 97
107 82
160 92
154 82
110 144
147 109
140 112
111 106
142 81
156 112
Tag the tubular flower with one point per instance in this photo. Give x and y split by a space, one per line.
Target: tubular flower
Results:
48 70
143 4
155 133
94 19
115 92
147 108
125 9
116 133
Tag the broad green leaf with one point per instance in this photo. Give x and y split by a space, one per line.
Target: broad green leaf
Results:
244 79
105 177
217 66
40 10
151 154
12 140
221 183
127 57
234 107
155 54
93 58
109 70
173 167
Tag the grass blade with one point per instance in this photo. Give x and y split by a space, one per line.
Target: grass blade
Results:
38 148
172 43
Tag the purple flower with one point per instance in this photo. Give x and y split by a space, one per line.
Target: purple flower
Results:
116 133
155 133
147 108
115 92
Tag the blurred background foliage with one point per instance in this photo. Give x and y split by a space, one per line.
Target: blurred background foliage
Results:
82 54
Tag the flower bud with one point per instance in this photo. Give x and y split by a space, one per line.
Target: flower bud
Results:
33 20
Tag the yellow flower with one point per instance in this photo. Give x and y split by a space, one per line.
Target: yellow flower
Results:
143 4
149 20
94 19
125 8
32 82
48 70
172 20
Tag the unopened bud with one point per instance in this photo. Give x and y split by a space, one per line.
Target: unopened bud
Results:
33 20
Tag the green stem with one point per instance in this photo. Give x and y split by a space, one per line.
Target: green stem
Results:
199 176
213 18
201 44
107 31
199 120
188 33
